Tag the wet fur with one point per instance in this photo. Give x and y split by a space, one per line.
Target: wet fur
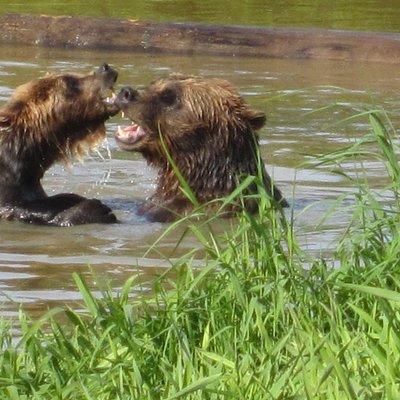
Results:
48 120
211 134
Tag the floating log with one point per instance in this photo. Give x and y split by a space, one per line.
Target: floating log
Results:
193 38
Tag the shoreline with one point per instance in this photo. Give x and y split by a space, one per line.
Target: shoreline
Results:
196 38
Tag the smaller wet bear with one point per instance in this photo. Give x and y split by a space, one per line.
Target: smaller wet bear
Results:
47 120
209 131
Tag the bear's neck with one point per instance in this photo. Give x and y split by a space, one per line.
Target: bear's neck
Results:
211 171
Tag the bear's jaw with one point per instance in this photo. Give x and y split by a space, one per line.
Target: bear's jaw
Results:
129 137
88 140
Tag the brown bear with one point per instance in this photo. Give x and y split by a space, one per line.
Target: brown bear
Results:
209 131
46 120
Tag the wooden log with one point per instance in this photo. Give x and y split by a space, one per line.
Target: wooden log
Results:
193 38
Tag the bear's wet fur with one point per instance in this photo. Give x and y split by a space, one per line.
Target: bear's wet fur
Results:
210 133
50 119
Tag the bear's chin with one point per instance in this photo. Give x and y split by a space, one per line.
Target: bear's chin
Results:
89 141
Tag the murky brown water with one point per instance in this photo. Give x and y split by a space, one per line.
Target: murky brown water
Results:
36 263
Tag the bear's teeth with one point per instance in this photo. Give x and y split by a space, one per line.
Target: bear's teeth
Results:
123 114
111 99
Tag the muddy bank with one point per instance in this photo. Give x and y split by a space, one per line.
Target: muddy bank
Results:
193 38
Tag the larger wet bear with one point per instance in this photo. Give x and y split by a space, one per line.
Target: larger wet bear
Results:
208 129
47 120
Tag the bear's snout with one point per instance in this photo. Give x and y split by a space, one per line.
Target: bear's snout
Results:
108 74
126 95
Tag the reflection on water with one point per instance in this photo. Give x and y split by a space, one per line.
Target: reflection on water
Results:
36 263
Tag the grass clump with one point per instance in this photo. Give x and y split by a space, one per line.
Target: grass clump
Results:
261 320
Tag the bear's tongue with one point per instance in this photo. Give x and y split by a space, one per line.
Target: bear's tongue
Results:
130 134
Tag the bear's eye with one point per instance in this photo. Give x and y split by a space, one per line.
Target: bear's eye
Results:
72 84
168 96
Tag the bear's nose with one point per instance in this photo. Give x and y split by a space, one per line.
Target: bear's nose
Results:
104 68
108 74
127 94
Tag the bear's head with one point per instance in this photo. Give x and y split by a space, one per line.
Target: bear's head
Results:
57 116
196 117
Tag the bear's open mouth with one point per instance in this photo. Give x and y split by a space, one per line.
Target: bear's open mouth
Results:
109 102
129 136
109 95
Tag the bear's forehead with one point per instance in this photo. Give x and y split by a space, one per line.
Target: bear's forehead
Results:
192 86
29 90
48 82
45 85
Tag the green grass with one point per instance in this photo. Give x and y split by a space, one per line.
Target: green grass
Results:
261 319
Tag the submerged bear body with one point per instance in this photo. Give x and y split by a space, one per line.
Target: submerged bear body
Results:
209 131
48 120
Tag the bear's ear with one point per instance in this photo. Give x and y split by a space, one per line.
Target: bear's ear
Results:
256 119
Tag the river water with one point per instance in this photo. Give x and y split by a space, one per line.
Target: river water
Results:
304 101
